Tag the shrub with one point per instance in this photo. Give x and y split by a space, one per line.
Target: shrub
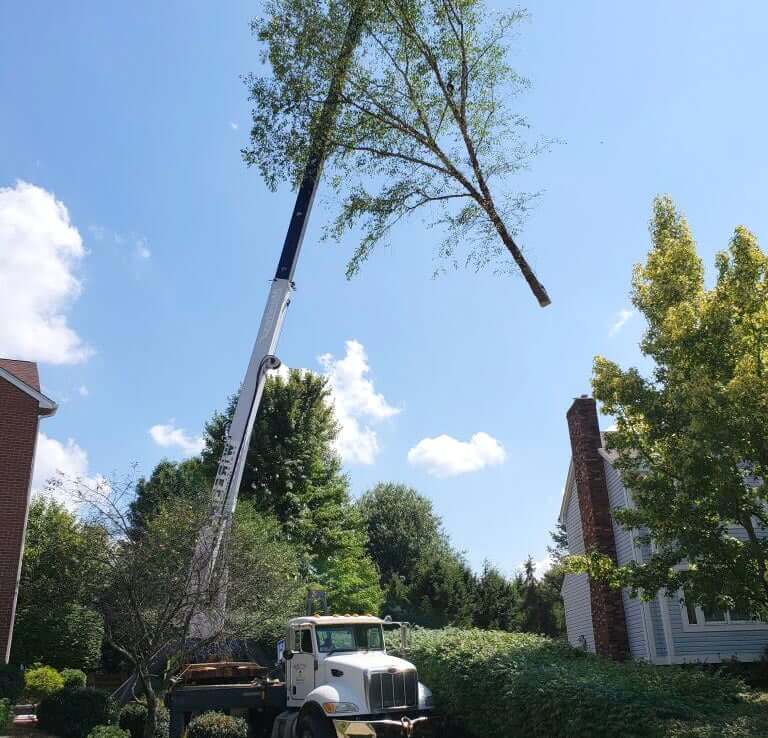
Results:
217 725
529 685
73 713
74 678
5 713
11 682
134 715
42 681
108 731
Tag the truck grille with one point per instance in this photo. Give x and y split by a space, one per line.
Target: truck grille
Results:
387 691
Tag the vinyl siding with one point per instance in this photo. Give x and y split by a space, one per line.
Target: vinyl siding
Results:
578 611
714 645
633 609
578 608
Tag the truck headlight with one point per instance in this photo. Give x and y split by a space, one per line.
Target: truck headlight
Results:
331 708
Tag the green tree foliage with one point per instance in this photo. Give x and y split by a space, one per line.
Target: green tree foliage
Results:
55 619
168 479
496 600
536 606
292 470
401 527
692 438
423 120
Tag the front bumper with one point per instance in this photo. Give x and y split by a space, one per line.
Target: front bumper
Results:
419 726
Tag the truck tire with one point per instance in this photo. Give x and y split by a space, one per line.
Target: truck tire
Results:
314 725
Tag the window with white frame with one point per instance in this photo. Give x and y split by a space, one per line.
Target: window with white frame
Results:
705 617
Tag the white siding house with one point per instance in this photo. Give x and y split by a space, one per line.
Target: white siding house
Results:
660 631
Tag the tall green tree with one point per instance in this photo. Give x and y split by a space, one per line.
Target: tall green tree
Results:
425 120
536 613
692 435
496 600
61 576
401 527
292 470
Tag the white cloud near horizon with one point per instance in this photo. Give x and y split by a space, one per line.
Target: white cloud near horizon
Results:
168 435
54 459
40 251
445 456
620 320
356 403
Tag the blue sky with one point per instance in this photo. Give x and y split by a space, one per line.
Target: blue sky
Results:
133 115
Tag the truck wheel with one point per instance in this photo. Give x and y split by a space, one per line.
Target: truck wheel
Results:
313 725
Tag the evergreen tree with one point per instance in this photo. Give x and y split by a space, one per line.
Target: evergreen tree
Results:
535 614
496 600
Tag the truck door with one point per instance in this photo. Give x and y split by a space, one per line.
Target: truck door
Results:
302 665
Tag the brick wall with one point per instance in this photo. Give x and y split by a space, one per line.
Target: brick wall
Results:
18 433
608 620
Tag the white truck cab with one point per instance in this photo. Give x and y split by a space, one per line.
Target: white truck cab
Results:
340 681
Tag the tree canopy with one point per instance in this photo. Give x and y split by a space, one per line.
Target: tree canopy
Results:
56 622
692 436
424 120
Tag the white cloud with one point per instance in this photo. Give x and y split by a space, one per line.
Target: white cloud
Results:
445 456
233 125
540 567
142 250
168 436
356 403
621 318
40 251
56 459
82 390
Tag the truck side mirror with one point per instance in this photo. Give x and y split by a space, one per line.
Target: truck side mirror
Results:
288 654
404 632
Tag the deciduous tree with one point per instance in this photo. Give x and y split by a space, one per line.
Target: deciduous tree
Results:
692 435
426 122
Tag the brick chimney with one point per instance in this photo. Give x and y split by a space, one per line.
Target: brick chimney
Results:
21 406
608 621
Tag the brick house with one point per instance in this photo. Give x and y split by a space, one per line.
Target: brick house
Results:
611 622
21 406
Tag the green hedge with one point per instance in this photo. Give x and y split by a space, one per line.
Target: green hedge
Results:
494 685
5 714
74 678
73 713
217 725
108 731
11 682
41 682
134 715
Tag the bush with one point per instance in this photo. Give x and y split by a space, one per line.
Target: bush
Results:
73 713
42 681
134 715
217 725
11 682
529 685
108 731
74 678
5 714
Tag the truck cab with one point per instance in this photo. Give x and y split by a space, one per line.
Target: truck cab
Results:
340 681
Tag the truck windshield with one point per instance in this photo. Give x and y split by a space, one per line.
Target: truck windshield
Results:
358 637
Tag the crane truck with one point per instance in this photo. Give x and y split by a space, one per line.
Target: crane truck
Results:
333 676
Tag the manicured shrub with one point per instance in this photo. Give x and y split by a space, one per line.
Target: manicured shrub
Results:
217 725
42 681
134 715
74 678
73 713
11 682
532 686
5 714
108 731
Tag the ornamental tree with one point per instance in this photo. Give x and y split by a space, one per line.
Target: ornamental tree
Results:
692 434
427 120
